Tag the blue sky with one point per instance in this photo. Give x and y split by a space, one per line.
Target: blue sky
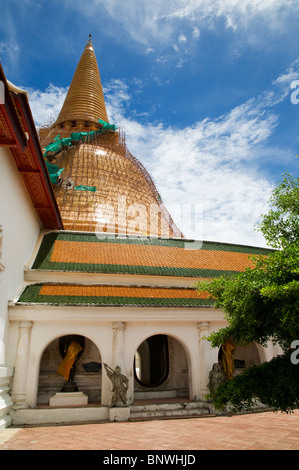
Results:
201 88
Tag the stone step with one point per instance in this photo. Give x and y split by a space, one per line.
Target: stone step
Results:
153 410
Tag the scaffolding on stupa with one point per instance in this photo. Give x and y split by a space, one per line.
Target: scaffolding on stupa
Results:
100 186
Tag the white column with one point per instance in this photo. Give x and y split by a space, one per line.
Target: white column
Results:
119 353
118 345
21 365
204 345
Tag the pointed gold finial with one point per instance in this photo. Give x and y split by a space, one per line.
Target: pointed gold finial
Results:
89 41
85 99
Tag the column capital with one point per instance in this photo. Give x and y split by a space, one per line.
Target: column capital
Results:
25 324
203 325
118 325
202 328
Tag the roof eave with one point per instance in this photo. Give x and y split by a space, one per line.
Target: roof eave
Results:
24 144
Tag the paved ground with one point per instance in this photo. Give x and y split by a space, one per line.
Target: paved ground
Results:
259 431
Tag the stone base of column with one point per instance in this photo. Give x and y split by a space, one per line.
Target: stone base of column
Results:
119 413
6 402
19 401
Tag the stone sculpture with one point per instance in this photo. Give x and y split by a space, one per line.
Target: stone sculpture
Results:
215 377
120 385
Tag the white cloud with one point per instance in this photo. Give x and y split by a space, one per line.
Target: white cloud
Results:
213 163
237 14
118 93
10 51
196 32
154 22
3 47
168 32
45 105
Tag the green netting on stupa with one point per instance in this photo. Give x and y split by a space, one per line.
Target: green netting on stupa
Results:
58 144
54 172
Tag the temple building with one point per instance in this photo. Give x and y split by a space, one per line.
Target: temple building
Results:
95 274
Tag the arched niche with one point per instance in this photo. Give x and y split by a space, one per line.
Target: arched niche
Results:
243 357
161 368
88 369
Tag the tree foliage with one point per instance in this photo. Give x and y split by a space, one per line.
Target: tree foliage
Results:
274 383
281 225
261 304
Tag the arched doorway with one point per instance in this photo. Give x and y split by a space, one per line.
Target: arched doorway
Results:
152 361
87 369
161 369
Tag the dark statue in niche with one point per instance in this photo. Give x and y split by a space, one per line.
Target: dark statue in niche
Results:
228 358
71 347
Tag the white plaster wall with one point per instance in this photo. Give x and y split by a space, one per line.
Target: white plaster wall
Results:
45 330
101 334
44 333
99 324
20 226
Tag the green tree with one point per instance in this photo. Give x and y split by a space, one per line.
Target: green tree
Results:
261 304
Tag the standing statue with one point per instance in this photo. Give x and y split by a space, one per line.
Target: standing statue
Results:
120 385
67 368
215 377
227 358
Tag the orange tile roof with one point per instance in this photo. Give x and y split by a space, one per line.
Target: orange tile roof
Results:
139 255
88 253
100 296
119 291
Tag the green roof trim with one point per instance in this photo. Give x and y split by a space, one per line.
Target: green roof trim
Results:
31 296
50 238
133 269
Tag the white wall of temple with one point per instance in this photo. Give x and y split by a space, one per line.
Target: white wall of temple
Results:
117 341
20 228
25 384
117 333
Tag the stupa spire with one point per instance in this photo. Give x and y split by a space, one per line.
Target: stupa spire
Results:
85 99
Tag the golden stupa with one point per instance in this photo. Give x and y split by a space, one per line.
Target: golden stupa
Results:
100 186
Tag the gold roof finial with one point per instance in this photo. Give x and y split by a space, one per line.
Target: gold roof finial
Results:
85 99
